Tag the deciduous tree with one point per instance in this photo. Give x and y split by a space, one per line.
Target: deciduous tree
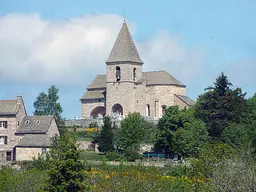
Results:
65 169
48 104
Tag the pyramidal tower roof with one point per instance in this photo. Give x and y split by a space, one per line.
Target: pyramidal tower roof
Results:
124 48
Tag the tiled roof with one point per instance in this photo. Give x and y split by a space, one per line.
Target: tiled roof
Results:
95 94
151 78
98 82
8 107
35 140
35 124
124 48
187 100
159 78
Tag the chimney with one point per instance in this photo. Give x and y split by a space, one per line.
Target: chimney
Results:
19 100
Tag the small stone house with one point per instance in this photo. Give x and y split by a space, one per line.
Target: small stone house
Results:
126 88
11 115
35 134
22 136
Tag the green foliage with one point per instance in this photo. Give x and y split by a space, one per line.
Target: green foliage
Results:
132 132
47 104
150 133
39 163
132 154
106 136
21 181
221 105
93 125
113 156
65 170
211 156
180 132
235 175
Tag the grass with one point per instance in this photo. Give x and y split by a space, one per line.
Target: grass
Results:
88 155
80 134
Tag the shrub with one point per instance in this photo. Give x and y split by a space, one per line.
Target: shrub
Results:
132 154
113 156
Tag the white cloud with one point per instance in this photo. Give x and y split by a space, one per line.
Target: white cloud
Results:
66 51
165 52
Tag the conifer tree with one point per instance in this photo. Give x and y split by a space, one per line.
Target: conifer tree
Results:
106 136
221 105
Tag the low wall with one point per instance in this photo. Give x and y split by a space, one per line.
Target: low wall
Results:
86 122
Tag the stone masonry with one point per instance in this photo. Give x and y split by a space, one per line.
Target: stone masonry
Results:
126 88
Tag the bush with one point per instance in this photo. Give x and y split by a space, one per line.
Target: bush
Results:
132 154
113 156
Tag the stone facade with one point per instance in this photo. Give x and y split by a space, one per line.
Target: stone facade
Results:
128 89
28 153
22 136
13 119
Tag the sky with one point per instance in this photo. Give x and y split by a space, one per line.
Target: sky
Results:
66 43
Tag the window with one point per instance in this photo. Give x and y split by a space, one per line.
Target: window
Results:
44 150
27 121
3 124
163 109
134 74
148 110
118 73
18 123
37 121
3 140
8 156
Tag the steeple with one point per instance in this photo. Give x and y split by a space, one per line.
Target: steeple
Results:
124 49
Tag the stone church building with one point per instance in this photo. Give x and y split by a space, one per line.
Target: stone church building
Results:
126 88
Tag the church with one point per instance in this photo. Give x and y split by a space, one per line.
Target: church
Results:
126 88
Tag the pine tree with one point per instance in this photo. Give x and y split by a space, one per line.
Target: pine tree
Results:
106 136
221 105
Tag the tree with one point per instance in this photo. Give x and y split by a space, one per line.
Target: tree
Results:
180 132
47 104
65 169
132 132
106 136
221 105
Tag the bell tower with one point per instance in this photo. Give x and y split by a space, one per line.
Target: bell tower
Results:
124 68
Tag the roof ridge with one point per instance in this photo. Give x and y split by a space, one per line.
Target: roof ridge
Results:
155 71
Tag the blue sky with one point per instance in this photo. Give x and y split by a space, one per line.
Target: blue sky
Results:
193 40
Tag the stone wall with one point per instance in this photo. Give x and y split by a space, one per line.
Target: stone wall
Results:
88 105
99 121
124 91
27 153
157 96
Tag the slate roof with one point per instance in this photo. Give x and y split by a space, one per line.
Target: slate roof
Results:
98 82
98 85
187 100
159 78
34 124
8 107
124 48
35 140
95 94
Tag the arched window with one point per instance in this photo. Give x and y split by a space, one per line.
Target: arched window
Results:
134 74
163 109
147 110
118 73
